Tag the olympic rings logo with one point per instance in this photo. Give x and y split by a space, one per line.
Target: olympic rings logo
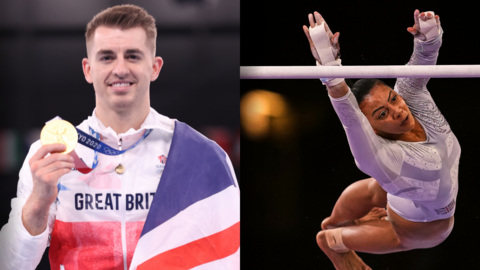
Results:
109 151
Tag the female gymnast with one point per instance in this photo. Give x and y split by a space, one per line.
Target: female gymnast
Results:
399 137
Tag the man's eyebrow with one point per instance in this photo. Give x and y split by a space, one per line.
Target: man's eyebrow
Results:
105 52
389 95
134 51
376 110
137 51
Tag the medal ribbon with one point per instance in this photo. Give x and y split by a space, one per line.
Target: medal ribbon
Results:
96 145
99 147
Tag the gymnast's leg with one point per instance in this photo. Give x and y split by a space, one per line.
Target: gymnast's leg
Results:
372 233
373 236
362 201
356 202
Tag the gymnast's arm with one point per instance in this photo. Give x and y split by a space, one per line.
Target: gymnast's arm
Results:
381 160
26 235
336 87
425 52
372 157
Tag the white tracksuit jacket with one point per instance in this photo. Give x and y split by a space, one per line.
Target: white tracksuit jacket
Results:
98 217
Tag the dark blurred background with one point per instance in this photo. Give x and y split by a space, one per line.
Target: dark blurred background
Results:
42 44
295 156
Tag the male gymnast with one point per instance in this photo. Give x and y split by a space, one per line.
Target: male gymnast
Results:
168 185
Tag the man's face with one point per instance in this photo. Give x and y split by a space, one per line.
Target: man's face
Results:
121 66
387 112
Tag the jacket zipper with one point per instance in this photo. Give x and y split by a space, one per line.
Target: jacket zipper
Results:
124 239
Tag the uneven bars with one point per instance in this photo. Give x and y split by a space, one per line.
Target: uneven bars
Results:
314 72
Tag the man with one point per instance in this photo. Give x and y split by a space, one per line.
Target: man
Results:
93 219
399 137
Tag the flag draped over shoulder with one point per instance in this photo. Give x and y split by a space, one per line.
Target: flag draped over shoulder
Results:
194 219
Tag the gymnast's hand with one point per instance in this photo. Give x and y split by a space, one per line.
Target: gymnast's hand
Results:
416 30
333 37
46 170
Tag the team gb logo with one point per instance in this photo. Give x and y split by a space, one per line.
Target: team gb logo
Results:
163 161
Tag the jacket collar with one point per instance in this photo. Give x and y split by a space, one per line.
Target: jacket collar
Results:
154 120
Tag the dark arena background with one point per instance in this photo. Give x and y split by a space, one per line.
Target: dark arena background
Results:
42 44
295 156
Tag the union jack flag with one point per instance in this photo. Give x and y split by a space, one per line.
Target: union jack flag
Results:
194 219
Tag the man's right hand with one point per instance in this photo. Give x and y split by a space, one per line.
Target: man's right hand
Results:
318 20
46 170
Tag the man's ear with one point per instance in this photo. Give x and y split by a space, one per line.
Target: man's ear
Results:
86 70
157 66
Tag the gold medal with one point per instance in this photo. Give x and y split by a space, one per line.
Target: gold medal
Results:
120 169
59 131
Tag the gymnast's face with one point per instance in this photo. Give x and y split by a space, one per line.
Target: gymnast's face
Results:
121 65
387 112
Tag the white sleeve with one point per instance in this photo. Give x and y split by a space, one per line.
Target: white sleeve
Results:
424 53
18 249
373 155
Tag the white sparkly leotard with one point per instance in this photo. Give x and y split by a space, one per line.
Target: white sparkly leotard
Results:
421 178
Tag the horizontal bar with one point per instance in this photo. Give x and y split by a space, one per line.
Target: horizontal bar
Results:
315 72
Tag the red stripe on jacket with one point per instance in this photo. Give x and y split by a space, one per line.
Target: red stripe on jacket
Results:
92 245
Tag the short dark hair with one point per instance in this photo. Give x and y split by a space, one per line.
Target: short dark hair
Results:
362 88
124 17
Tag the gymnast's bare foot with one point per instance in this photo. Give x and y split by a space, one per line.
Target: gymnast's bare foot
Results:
341 261
376 213
328 223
